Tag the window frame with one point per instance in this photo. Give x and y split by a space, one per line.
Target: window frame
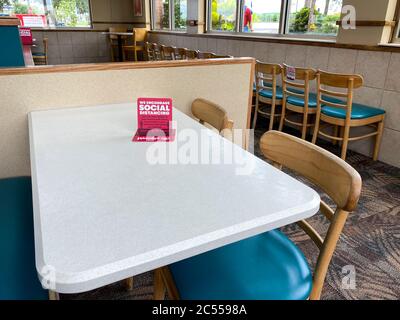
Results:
283 25
396 32
171 17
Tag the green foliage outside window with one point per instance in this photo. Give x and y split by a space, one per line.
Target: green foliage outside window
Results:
4 3
71 13
323 24
223 15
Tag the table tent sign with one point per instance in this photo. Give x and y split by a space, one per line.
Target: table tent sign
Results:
291 73
154 120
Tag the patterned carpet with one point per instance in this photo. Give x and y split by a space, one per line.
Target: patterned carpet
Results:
370 241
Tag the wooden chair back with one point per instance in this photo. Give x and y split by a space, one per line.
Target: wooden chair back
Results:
211 113
140 35
204 55
190 54
156 51
267 73
335 177
218 56
167 53
46 50
303 76
180 53
42 57
343 100
149 53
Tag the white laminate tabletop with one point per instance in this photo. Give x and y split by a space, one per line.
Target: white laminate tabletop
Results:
103 213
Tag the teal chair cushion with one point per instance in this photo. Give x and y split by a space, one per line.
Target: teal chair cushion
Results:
299 102
268 93
18 276
267 84
358 111
35 54
265 267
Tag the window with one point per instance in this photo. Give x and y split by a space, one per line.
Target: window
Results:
49 13
169 14
314 16
304 17
261 16
223 15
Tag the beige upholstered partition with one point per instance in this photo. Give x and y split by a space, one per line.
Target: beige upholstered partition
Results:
227 82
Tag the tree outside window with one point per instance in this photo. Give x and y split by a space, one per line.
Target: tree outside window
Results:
59 13
170 10
223 15
314 16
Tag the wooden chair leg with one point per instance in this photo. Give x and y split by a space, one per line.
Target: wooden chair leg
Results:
159 287
53 295
136 55
272 115
345 141
316 127
304 127
129 284
378 140
255 113
173 293
283 115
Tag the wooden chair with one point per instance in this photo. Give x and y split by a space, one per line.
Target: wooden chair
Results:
167 53
298 99
180 53
337 109
156 51
205 55
265 255
267 91
219 56
41 57
113 40
211 113
138 40
148 51
190 54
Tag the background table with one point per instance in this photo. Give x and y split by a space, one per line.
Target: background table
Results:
102 213
119 40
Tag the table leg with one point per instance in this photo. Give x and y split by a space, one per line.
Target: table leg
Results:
119 48
129 284
53 295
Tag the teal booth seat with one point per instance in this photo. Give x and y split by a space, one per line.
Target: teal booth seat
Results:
265 267
299 102
358 111
18 276
11 53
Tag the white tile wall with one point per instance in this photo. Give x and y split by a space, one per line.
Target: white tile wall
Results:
379 69
75 47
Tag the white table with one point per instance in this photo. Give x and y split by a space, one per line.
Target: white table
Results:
102 213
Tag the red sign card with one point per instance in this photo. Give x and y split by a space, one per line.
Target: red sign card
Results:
154 120
26 36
